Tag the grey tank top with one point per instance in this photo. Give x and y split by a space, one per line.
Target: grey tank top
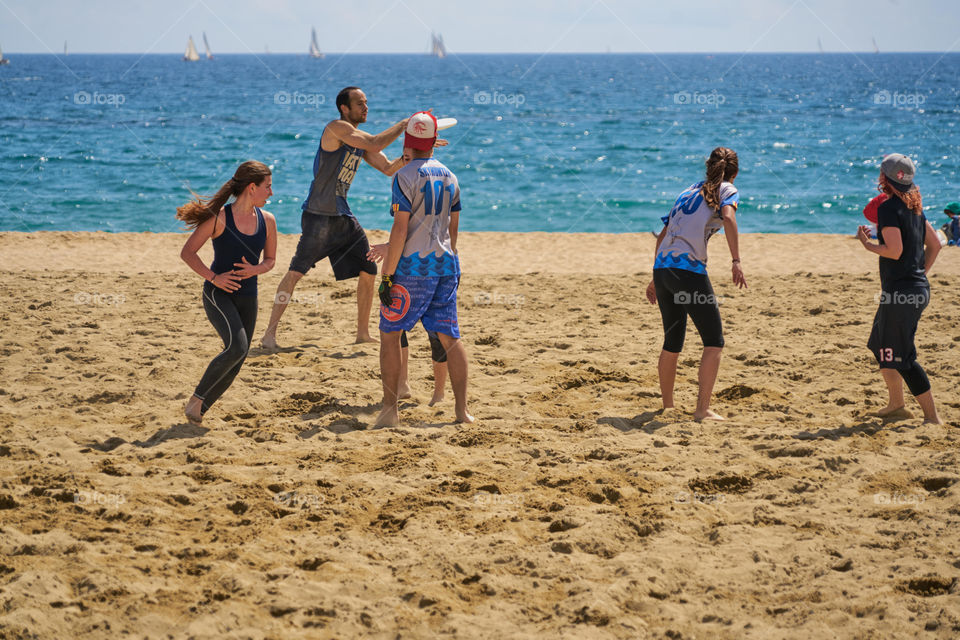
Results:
333 173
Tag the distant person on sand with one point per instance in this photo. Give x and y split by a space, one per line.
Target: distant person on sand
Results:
421 272
680 283
908 247
329 228
952 228
240 232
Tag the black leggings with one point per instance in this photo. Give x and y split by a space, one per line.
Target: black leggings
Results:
437 352
682 293
234 318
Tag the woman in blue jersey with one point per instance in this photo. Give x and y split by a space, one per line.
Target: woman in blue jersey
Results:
680 283
908 247
240 232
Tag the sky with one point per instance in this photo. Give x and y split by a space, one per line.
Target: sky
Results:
487 26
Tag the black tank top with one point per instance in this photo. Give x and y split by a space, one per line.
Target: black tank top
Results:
333 173
231 245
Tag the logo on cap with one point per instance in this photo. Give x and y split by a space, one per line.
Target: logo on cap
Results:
900 175
419 127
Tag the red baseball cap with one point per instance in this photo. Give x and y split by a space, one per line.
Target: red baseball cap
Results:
421 131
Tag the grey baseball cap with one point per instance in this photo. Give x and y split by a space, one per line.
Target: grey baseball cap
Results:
899 169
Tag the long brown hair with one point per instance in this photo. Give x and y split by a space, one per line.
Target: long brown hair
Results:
200 210
911 198
722 165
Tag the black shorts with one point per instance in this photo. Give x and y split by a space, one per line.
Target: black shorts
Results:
341 238
682 293
895 327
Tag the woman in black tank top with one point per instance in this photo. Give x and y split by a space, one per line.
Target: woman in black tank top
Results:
240 232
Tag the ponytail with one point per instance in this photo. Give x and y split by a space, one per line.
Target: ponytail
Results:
722 165
200 210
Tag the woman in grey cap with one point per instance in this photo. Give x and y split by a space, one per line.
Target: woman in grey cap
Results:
907 246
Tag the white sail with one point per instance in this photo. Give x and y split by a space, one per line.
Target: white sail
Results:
64 47
437 48
2 59
314 47
819 44
876 49
206 45
191 55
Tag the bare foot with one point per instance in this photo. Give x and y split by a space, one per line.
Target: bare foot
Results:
707 415
365 339
895 413
404 392
192 411
437 397
933 420
269 342
465 418
389 417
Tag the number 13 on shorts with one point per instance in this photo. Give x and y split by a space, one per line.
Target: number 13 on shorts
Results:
886 355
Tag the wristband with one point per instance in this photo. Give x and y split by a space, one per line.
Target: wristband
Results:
737 261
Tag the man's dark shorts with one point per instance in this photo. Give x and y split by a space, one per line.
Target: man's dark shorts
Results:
341 238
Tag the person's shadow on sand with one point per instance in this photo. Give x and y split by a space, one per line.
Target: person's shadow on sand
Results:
648 421
179 431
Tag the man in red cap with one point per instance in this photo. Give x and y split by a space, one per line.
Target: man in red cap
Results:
421 272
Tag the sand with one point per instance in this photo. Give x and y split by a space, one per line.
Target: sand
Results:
572 509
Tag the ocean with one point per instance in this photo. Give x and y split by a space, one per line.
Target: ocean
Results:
564 143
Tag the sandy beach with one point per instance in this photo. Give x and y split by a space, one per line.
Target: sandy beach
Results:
572 509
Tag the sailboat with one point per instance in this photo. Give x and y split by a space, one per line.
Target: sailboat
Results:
437 48
819 44
191 55
314 47
876 49
64 48
206 45
2 59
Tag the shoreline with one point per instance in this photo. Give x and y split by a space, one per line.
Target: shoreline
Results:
481 253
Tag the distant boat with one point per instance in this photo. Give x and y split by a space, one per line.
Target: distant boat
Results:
2 59
819 44
314 47
191 55
266 49
876 49
65 48
437 48
206 45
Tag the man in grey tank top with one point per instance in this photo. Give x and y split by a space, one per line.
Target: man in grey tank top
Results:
329 228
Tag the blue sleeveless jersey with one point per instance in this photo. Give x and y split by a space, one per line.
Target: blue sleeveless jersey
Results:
232 245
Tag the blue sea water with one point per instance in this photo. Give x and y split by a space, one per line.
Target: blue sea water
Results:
578 143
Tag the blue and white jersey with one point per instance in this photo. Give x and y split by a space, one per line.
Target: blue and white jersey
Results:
690 224
430 193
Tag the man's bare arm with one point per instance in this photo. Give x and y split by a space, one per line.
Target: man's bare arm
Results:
379 161
346 133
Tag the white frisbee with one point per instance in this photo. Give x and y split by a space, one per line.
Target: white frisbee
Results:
445 123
